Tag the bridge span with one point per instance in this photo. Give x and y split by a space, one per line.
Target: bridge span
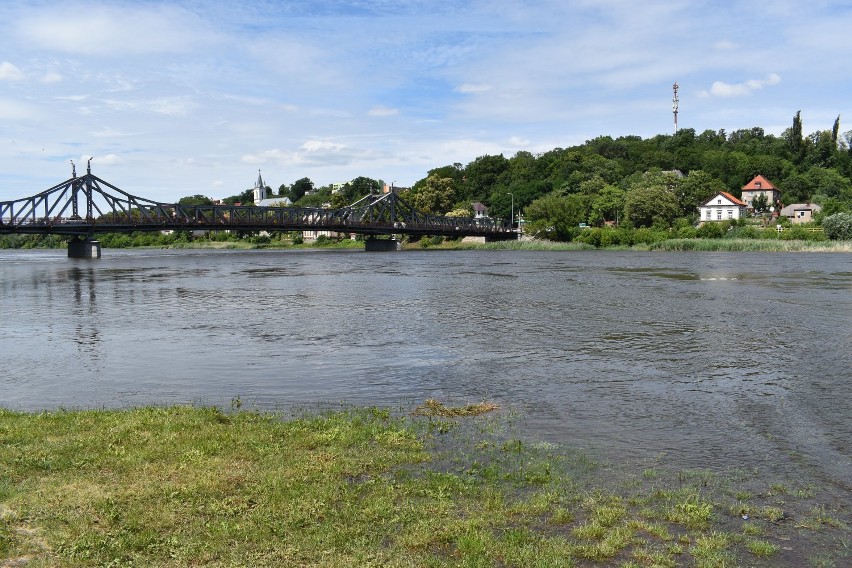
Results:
83 206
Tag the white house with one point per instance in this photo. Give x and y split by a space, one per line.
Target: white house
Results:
722 207
480 211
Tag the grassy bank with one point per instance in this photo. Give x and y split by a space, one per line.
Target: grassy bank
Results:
429 486
692 244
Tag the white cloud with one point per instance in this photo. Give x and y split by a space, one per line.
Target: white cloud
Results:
170 106
472 89
383 111
725 45
722 89
16 110
114 31
9 72
107 160
109 133
51 77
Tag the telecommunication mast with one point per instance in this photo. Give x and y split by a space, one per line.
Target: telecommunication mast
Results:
674 105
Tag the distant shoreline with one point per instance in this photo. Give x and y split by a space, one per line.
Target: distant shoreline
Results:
670 245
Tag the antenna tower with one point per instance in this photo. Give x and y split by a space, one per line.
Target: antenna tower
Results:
675 100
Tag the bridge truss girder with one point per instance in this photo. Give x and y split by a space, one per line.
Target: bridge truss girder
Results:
108 209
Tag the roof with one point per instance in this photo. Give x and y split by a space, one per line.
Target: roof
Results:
478 206
759 183
726 195
274 202
791 209
733 199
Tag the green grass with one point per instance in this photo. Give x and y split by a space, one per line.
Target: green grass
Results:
184 486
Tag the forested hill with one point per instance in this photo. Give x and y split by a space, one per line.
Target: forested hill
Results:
635 181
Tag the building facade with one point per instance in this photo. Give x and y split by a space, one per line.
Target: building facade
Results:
722 207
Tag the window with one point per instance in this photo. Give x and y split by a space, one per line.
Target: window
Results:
709 214
730 213
719 214
718 202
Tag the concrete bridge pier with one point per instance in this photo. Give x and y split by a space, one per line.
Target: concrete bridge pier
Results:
373 244
84 248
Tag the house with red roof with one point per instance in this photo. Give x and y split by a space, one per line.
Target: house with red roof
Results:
722 207
761 186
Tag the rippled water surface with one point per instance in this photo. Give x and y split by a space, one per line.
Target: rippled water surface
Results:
711 359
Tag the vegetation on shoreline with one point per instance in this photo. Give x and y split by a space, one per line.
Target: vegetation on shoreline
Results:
647 241
186 486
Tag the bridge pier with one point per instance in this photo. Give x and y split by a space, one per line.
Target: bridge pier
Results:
373 244
84 248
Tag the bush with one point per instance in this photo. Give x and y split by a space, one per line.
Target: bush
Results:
710 231
797 233
838 227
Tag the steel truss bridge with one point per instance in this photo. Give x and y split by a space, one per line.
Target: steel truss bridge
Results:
86 205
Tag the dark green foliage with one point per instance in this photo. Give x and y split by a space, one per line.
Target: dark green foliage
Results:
299 188
632 181
195 200
711 230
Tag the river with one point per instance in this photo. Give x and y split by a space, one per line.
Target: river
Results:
710 360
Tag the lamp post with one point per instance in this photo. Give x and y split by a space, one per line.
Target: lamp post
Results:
512 212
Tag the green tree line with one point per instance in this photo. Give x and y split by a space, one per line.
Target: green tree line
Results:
628 181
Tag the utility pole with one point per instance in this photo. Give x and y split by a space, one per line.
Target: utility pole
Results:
674 105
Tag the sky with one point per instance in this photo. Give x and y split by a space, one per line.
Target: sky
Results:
180 98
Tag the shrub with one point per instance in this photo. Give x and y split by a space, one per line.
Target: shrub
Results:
838 227
710 231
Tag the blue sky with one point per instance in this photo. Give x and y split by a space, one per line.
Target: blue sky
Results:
186 97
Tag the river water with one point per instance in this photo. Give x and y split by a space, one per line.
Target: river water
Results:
712 360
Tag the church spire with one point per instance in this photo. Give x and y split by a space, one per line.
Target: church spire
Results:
259 189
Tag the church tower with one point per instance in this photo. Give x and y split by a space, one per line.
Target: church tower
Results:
259 189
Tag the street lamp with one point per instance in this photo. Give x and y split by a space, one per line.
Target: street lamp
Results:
512 212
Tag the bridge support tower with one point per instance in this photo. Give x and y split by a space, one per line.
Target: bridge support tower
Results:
84 248
373 244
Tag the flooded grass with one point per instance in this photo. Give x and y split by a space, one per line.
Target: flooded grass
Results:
443 486
433 407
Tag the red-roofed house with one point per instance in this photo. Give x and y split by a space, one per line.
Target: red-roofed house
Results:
760 186
722 207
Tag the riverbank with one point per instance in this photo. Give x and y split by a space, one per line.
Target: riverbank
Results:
708 245
423 486
253 243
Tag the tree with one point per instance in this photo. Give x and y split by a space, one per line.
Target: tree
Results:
652 200
694 189
760 203
244 198
195 200
607 205
299 188
482 176
435 196
556 215
795 137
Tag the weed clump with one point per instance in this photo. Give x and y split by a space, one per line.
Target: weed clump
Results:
434 408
